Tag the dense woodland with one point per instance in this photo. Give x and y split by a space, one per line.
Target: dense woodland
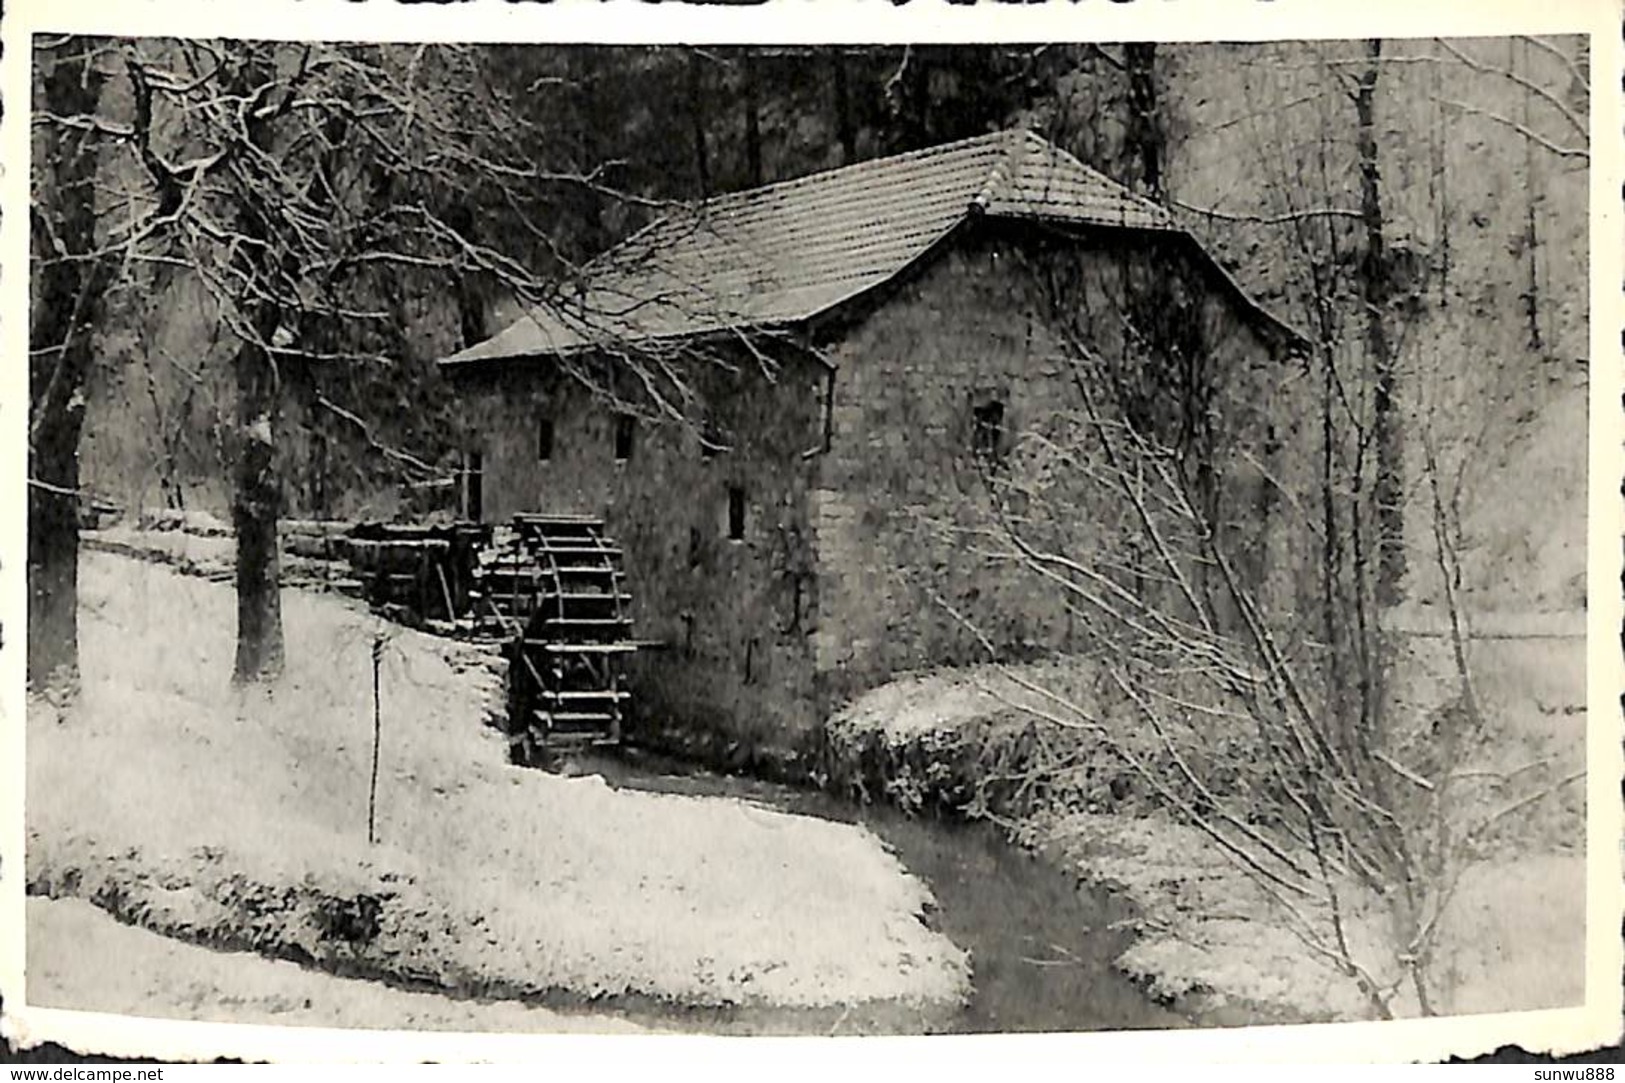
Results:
248 255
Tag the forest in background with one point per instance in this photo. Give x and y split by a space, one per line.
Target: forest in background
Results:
1472 226
1251 134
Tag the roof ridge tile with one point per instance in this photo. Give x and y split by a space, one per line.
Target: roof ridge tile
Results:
1001 170
850 169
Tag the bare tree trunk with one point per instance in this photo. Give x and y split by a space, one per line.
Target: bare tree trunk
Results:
918 84
1374 286
843 111
53 547
1439 190
471 316
171 439
907 94
1146 139
696 113
66 309
587 138
257 500
1331 552
255 507
1531 237
753 119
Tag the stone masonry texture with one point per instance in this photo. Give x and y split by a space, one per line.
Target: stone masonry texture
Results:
855 563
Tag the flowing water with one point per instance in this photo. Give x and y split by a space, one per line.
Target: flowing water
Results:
1041 947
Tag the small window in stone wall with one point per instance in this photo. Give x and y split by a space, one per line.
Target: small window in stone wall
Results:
474 486
712 440
736 513
987 431
625 426
544 439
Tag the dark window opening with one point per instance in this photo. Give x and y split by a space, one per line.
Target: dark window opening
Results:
796 592
474 487
987 431
711 439
736 513
625 426
544 439
829 409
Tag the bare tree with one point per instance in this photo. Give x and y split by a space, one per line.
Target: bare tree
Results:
302 185
1375 289
1146 138
1215 700
1244 678
70 278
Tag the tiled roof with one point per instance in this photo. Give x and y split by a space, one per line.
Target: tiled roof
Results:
781 254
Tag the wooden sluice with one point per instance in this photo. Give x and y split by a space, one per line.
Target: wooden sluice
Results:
419 575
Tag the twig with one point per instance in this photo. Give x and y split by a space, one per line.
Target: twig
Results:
59 490
1306 214
377 731
1529 799
1583 153
1402 771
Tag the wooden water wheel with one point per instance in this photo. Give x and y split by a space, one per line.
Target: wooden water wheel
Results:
556 587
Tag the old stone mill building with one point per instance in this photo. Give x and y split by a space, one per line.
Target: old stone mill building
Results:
891 330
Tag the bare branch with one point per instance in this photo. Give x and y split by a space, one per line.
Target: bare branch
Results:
1306 214
1581 153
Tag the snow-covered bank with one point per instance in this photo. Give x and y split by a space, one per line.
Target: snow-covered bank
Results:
241 818
81 958
1208 939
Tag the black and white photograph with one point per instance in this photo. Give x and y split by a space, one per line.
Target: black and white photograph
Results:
811 539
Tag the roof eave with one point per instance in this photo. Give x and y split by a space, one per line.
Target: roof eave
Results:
811 324
1288 337
1292 341
452 368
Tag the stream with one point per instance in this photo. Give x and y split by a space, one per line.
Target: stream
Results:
1041 946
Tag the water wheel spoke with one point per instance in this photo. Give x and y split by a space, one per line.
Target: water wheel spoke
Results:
577 629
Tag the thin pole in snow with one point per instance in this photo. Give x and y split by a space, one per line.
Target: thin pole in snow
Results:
377 726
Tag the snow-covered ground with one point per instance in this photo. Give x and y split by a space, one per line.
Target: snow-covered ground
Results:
240 818
72 943
916 705
1513 937
1512 940
198 544
210 555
